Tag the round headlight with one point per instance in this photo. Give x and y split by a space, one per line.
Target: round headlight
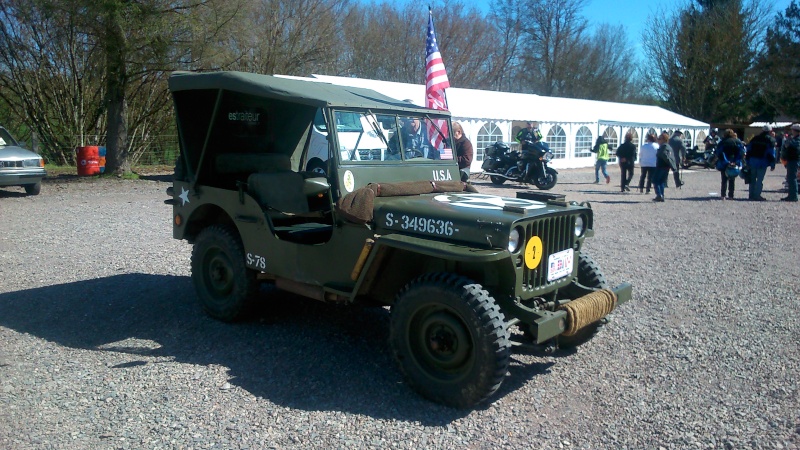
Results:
548 156
513 240
580 226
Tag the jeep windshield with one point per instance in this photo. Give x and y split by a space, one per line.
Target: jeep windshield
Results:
393 138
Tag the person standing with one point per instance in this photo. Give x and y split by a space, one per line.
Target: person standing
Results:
760 155
532 146
464 149
626 154
678 153
647 161
791 153
665 161
601 148
729 156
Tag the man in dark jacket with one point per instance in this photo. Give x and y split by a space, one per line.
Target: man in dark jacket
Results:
626 154
729 155
791 153
678 154
760 155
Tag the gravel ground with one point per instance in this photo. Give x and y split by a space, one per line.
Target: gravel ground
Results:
103 345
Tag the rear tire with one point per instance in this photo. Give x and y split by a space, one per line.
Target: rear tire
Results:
224 284
589 275
449 339
33 189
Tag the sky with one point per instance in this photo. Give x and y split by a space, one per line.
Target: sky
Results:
631 13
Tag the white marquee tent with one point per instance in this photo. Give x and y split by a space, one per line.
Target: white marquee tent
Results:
570 126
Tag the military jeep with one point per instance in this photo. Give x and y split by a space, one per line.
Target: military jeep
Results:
387 221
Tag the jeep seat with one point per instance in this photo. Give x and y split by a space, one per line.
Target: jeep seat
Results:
281 191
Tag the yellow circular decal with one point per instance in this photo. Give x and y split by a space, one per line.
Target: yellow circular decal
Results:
349 181
533 252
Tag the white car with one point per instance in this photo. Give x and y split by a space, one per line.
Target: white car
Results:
18 166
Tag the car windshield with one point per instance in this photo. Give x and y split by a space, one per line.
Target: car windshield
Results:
5 138
367 137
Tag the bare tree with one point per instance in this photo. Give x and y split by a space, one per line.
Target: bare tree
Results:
554 36
294 37
48 76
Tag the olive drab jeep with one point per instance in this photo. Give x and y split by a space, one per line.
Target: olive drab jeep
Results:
383 218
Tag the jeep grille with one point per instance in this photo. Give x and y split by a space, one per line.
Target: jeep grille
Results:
557 233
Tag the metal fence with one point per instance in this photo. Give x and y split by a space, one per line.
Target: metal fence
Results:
150 151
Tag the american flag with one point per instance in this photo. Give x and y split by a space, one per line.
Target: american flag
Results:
435 83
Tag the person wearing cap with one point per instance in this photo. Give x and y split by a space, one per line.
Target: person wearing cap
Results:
760 155
791 153
678 153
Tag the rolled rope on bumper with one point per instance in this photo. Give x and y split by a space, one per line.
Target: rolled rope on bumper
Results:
588 309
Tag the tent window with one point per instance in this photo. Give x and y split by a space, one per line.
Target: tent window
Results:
701 136
583 143
610 135
652 131
635 134
488 135
557 139
687 139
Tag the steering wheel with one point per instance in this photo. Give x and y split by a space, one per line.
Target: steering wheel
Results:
414 153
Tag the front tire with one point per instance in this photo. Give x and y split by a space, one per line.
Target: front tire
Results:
497 180
224 284
449 339
33 189
589 275
548 181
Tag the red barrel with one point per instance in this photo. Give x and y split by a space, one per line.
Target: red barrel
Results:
88 160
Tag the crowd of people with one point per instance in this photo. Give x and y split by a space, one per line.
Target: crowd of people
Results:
661 154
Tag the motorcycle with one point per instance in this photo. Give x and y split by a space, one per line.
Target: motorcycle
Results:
694 157
501 164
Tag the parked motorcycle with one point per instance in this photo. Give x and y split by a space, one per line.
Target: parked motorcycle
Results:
501 163
694 157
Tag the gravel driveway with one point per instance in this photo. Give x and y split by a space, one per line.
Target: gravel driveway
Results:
103 345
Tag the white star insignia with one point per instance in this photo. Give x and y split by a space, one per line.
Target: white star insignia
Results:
184 196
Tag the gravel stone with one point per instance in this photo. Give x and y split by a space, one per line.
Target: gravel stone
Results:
104 345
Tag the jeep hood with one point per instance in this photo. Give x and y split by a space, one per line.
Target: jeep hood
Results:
482 219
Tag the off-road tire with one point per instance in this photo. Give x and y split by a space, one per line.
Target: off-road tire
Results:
449 339
497 180
552 178
33 189
224 284
589 275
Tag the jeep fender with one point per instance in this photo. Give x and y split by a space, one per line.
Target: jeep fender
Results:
383 277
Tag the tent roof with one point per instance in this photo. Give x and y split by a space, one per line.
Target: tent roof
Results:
296 90
494 105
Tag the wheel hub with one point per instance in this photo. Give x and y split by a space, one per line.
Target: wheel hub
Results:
445 341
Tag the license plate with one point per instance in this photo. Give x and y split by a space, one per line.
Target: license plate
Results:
559 264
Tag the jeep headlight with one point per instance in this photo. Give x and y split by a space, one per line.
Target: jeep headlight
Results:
580 226
514 240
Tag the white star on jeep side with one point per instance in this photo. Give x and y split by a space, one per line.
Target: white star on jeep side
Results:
184 196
